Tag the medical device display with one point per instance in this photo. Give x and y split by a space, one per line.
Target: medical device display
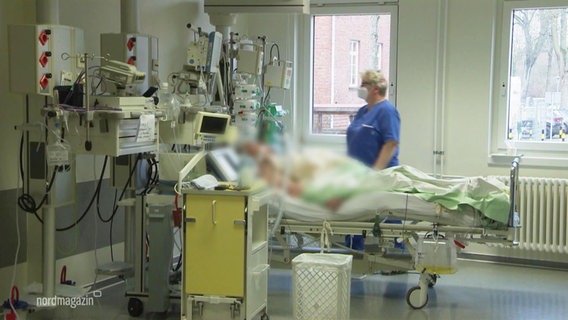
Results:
211 126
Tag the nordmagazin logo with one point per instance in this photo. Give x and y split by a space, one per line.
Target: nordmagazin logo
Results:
72 302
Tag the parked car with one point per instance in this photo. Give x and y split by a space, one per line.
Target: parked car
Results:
556 126
526 128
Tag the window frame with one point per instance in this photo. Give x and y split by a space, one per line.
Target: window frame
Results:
501 150
306 41
354 46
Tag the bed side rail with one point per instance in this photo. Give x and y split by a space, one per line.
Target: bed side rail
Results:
514 192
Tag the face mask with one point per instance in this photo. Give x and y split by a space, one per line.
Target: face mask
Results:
362 93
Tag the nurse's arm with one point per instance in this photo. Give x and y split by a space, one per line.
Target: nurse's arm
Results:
386 154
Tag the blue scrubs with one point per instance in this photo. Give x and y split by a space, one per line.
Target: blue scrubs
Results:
366 135
369 131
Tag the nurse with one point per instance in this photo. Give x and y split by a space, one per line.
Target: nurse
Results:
373 135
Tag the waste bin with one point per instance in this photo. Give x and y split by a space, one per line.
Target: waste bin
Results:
321 286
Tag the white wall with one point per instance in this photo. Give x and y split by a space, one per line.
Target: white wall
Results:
11 107
11 114
466 85
416 73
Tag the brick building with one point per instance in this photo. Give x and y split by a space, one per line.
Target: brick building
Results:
344 47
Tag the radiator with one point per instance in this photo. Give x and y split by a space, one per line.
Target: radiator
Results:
543 211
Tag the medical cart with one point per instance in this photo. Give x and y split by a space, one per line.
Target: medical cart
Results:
225 254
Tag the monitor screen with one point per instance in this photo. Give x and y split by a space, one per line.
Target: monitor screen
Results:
213 125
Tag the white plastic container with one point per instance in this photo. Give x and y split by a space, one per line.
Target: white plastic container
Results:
321 286
168 103
437 256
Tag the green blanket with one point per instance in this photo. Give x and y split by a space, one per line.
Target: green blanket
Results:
488 195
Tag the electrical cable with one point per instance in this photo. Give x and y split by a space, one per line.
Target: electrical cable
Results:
277 51
27 203
149 177
152 176
177 246
155 178
76 82
95 195
110 230
267 97
73 247
115 209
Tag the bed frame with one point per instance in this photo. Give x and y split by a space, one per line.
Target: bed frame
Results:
380 253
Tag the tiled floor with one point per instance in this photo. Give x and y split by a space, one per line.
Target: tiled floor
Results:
479 290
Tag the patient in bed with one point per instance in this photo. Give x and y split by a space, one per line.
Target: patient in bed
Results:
329 179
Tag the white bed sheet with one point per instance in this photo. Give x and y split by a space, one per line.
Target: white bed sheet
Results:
366 206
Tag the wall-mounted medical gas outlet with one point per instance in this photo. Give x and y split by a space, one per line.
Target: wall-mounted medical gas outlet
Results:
39 56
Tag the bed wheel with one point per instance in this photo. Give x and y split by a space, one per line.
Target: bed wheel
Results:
135 307
413 298
432 280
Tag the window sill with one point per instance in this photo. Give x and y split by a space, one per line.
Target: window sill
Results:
505 159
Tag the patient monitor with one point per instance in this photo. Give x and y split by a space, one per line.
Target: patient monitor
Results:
214 127
211 127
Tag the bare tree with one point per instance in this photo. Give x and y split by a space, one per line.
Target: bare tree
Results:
559 25
533 44
375 42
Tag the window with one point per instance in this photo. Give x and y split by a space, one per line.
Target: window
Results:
354 63
533 96
538 88
343 42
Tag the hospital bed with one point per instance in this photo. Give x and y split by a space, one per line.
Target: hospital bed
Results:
420 228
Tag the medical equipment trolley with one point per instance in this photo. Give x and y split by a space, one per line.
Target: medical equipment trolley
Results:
225 254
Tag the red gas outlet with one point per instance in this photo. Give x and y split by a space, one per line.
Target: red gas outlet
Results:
131 43
43 37
44 81
43 59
